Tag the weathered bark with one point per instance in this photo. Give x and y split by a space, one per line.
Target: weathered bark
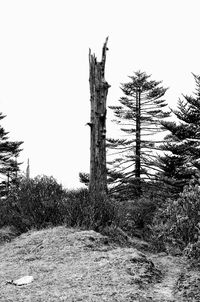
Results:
98 94
138 142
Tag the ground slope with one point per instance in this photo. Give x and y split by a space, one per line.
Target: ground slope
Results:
74 265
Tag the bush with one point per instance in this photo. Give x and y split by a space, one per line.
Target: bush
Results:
33 203
81 211
39 202
76 207
135 216
105 213
177 222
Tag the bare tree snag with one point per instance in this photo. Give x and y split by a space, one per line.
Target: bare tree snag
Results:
98 94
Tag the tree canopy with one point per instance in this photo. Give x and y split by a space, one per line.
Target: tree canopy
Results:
181 146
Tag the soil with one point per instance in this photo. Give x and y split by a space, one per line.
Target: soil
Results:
79 265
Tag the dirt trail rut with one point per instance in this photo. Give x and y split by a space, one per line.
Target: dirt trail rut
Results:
172 268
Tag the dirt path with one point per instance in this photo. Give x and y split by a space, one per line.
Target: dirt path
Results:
172 268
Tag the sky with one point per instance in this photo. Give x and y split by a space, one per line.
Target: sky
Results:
44 69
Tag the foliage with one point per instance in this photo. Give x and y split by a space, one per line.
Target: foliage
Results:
181 146
77 207
192 252
139 115
136 215
84 178
81 211
9 151
175 173
177 222
39 202
33 203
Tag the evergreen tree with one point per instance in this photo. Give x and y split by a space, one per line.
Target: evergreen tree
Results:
9 152
183 142
139 116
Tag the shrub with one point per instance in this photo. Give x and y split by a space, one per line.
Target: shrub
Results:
135 216
33 203
39 202
177 222
81 211
76 207
105 212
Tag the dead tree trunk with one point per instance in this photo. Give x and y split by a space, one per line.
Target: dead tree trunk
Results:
138 143
98 94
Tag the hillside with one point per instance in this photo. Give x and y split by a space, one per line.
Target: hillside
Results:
76 265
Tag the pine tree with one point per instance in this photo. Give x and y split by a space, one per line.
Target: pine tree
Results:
139 117
182 144
9 167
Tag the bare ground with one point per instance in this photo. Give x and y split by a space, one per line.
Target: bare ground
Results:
74 265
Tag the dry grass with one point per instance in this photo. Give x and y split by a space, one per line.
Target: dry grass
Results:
71 265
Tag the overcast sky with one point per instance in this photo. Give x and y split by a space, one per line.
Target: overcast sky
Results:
44 69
